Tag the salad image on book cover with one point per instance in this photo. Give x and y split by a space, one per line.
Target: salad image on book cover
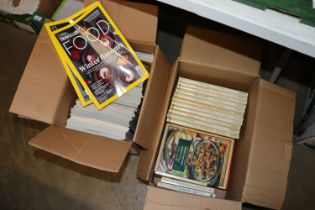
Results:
195 157
99 55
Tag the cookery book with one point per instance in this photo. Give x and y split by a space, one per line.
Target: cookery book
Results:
94 49
218 111
210 92
186 109
203 126
223 90
188 187
194 156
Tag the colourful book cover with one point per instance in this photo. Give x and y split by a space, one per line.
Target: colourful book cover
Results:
194 156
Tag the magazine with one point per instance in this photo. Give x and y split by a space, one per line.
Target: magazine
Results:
80 91
194 156
98 55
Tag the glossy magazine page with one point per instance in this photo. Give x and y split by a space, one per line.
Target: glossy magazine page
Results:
98 55
79 89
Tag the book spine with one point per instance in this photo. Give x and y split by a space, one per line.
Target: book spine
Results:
212 93
203 123
187 185
203 120
203 113
208 102
183 80
161 173
207 108
200 96
183 189
233 135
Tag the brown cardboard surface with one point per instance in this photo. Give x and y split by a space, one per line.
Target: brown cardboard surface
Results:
48 7
43 84
269 158
153 101
262 154
235 56
243 146
147 157
136 21
85 149
170 200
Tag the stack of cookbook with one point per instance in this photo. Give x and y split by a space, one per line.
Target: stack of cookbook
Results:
196 152
208 107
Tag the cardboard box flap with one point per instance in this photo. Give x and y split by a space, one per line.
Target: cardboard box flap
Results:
90 150
148 156
136 21
153 102
158 198
270 154
43 85
221 51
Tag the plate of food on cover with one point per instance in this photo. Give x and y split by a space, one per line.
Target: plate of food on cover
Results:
206 162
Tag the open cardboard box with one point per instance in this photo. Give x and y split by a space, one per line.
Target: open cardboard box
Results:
45 93
262 155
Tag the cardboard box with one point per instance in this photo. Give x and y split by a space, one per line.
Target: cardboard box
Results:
263 152
45 93
30 22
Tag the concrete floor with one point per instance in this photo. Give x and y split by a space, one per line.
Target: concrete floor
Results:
31 179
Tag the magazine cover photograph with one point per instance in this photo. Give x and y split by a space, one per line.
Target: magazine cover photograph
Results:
195 157
94 50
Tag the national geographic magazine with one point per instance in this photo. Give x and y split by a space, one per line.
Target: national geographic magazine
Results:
96 55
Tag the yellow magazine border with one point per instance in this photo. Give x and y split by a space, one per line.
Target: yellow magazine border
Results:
69 72
65 56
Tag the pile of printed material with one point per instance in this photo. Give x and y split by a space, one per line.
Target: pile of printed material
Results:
117 120
208 107
106 73
202 124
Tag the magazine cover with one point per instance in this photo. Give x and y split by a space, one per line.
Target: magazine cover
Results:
195 157
98 55
79 89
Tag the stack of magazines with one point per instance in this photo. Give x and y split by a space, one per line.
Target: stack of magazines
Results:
106 73
117 121
208 107
99 61
197 147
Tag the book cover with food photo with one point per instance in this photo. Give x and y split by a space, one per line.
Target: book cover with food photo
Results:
195 156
